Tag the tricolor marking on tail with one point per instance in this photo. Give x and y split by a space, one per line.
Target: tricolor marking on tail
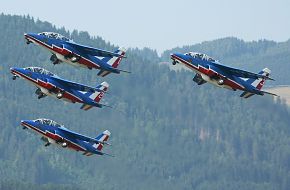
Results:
257 83
96 96
102 138
113 62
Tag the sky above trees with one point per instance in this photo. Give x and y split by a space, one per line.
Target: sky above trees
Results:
163 24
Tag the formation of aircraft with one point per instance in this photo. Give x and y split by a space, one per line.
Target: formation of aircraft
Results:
54 133
210 70
65 50
50 84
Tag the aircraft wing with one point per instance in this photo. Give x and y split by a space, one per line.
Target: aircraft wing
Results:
240 73
93 51
74 85
79 136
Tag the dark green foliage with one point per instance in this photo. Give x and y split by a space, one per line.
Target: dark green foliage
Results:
167 133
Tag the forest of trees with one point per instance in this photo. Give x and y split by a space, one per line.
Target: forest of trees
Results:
167 132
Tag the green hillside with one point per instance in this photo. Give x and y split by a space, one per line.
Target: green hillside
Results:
167 133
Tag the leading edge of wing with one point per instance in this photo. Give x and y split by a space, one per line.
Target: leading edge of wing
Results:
75 85
241 73
82 137
95 51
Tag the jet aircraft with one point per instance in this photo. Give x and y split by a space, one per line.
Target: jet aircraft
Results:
54 133
65 50
210 70
48 83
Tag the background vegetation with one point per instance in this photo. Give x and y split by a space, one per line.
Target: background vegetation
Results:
167 133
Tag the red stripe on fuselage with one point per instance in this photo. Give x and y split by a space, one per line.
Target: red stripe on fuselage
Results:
49 86
55 137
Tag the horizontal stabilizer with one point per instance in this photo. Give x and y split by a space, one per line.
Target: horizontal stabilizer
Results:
104 73
265 92
108 154
124 71
105 105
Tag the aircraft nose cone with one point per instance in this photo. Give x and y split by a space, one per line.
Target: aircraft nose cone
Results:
23 122
30 37
173 58
14 69
175 55
27 35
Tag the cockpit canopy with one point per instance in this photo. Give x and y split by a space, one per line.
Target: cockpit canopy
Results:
40 70
201 56
48 122
54 35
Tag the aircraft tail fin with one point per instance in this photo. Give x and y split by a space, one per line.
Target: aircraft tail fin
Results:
257 83
103 86
103 137
115 61
97 96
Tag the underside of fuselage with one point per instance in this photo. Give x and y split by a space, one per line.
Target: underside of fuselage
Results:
62 55
52 94
211 80
51 138
65 96
63 59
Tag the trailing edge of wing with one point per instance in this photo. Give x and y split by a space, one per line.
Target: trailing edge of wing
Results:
76 86
82 137
104 73
241 73
94 51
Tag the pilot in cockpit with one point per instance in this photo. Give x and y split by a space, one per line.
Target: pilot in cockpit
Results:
29 69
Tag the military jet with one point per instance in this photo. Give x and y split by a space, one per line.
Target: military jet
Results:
54 133
50 84
65 50
210 70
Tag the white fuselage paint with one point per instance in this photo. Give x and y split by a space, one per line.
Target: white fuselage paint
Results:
63 59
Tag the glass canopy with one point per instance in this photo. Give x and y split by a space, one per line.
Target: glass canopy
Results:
201 56
48 122
40 70
54 35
